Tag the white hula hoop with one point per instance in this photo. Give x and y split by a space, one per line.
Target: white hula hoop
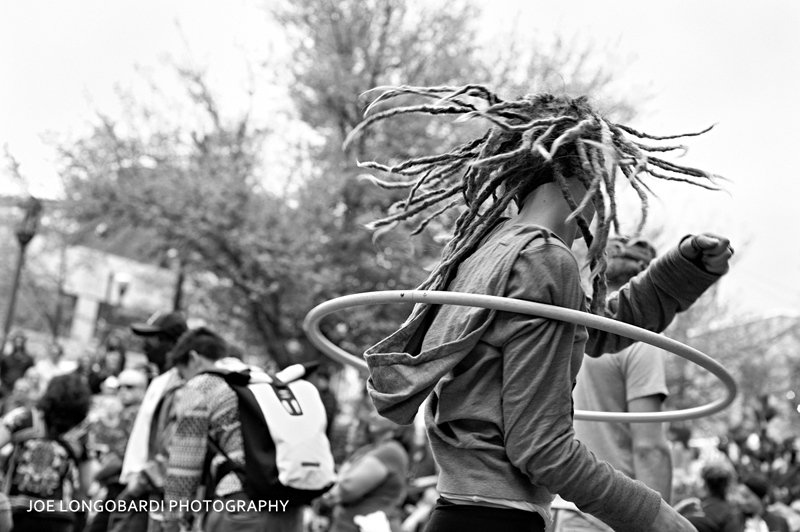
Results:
311 327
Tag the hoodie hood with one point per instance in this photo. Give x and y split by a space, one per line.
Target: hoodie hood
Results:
406 366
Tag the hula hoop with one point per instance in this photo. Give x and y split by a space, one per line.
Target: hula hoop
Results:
312 330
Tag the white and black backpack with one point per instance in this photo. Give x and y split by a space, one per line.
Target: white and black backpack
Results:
287 454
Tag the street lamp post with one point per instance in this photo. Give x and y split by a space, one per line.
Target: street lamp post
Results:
25 231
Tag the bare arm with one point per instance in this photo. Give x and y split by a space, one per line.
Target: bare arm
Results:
5 436
85 474
652 458
364 476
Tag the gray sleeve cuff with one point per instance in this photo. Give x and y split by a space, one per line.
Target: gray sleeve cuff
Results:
680 278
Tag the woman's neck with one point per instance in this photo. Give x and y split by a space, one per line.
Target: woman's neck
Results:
546 207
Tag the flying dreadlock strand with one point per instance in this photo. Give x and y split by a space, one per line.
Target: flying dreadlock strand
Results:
424 162
570 135
399 111
473 212
417 209
435 215
527 142
538 144
590 167
666 177
645 147
464 224
388 185
410 199
476 91
641 135
474 174
442 174
406 203
594 187
420 182
514 128
469 242
394 92
582 223
598 260
586 165
694 172
642 198
607 135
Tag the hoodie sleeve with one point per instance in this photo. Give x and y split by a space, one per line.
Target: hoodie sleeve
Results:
651 299
538 372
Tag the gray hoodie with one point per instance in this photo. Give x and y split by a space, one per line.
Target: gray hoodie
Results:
499 415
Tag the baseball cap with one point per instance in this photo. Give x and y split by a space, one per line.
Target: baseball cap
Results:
172 324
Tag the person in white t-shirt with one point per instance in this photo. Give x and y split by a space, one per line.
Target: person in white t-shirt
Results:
633 380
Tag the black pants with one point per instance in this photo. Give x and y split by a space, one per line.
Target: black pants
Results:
101 519
449 517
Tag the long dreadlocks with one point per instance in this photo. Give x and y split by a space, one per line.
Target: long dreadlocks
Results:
533 140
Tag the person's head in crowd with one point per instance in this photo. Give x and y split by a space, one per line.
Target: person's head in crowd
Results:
196 351
110 385
626 260
18 342
55 352
680 434
748 503
115 342
85 362
32 376
113 362
759 485
65 403
23 393
132 385
160 333
717 479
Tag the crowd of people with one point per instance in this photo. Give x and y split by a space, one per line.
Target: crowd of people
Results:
127 438
386 483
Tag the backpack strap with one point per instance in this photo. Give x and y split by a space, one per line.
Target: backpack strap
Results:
250 416
226 467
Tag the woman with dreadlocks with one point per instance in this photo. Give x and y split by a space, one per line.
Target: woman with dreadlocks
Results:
499 413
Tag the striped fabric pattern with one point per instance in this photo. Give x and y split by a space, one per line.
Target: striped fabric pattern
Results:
207 407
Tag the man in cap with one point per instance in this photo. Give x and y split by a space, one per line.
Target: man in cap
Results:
146 454
633 380
160 334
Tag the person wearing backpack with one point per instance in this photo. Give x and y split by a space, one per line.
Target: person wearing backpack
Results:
48 470
257 442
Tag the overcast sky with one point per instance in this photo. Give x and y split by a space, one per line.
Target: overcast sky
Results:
733 63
